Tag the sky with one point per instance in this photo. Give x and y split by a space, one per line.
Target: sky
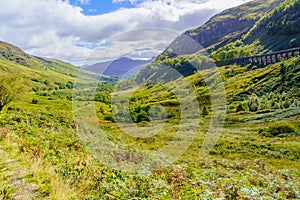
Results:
73 30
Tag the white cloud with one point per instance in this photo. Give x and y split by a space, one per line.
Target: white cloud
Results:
121 1
53 28
84 1
146 43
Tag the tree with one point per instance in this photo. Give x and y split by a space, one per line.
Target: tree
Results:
283 71
10 87
253 103
240 107
205 111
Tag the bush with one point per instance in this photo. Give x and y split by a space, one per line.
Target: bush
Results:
34 101
144 123
143 116
234 119
205 111
243 106
171 115
109 117
281 128
278 129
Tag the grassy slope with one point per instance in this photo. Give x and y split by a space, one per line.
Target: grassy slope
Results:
243 164
45 132
41 72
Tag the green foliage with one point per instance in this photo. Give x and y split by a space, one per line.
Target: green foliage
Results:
285 20
142 117
205 111
253 103
34 101
234 50
278 129
10 87
6 192
242 106
242 165
103 97
283 71
140 113
179 63
277 29
281 128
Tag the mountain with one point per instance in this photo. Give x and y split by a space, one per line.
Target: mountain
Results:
12 53
122 67
276 30
226 27
41 72
254 28
250 29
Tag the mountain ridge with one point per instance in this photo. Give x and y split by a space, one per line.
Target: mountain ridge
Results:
223 28
120 67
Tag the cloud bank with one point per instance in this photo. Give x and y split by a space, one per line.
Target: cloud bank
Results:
55 28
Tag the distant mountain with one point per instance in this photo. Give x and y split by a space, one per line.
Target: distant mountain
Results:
122 68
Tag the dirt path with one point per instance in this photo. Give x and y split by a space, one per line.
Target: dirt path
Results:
12 182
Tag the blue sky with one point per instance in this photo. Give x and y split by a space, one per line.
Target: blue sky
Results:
96 7
71 30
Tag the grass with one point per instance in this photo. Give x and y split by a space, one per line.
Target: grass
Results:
56 145
28 178
59 166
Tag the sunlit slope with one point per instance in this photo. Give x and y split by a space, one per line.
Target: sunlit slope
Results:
42 72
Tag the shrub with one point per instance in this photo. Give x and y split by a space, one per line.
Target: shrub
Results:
34 101
143 116
243 106
109 117
3 133
171 115
281 128
278 129
144 123
205 111
233 119
262 106
286 103
10 88
253 103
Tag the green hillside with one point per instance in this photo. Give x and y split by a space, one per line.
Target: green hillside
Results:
228 26
278 30
234 130
41 72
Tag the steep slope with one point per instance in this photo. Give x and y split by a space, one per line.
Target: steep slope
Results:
259 34
226 27
254 28
277 30
12 53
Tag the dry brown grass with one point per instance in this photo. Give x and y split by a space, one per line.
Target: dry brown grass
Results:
4 133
